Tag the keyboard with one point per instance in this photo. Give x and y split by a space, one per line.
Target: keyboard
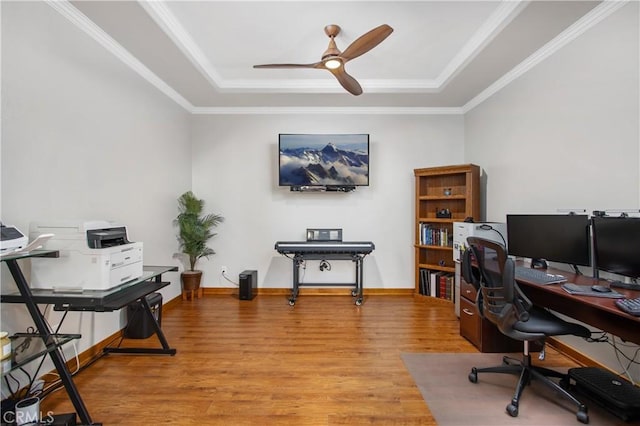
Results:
626 286
630 306
538 276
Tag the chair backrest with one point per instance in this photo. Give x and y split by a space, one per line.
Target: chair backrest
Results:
500 299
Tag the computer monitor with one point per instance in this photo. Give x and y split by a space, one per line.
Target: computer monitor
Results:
616 245
556 238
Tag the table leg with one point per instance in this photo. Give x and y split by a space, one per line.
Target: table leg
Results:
166 349
45 334
359 283
297 261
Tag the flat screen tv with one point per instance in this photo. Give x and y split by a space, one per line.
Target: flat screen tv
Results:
323 160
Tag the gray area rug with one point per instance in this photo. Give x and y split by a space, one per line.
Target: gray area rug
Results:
454 400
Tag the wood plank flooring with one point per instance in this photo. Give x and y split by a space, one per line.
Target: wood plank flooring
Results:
262 362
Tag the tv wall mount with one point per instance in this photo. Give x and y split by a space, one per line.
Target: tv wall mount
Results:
327 188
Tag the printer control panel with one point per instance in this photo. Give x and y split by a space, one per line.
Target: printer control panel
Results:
11 238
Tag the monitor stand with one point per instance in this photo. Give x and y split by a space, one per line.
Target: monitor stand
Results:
539 263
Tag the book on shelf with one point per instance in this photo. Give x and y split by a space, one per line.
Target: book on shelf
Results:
424 282
434 283
446 284
430 235
442 294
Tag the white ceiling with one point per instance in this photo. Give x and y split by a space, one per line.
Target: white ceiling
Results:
442 54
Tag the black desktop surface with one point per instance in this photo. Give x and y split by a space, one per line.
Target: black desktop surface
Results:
97 300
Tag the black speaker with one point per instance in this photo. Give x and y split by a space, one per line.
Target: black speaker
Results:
139 324
248 284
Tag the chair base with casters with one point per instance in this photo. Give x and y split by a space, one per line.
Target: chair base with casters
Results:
486 265
528 372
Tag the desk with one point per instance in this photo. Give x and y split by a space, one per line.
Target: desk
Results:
599 312
326 250
97 301
108 301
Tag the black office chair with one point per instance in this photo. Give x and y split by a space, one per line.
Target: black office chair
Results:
486 266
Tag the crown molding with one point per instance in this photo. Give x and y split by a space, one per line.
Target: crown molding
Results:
499 19
578 28
167 21
327 86
325 111
600 12
66 9
160 13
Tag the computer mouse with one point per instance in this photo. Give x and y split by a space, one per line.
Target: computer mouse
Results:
600 288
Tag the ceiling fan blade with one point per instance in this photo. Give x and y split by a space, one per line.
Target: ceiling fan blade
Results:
366 42
348 82
316 65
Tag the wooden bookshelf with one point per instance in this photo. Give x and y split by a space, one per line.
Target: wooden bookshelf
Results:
447 189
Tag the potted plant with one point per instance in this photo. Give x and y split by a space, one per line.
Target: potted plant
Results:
195 230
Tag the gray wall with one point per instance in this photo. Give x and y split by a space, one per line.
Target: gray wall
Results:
565 135
235 169
85 138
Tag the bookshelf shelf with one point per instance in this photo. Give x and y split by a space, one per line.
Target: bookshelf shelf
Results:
453 191
434 247
435 220
442 197
434 267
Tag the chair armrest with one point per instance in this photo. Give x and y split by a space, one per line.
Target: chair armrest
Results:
467 269
521 303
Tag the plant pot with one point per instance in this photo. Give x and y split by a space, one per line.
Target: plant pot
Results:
190 283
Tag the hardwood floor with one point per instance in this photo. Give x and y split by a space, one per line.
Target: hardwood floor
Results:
323 362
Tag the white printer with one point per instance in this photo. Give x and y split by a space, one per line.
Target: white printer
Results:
493 231
94 255
11 238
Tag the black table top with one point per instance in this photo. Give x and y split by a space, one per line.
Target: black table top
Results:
98 300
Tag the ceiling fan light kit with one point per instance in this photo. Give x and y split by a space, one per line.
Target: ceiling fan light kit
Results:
332 63
333 60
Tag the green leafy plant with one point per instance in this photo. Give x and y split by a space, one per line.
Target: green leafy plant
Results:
195 228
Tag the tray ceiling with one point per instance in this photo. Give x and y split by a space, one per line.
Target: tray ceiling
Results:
441 54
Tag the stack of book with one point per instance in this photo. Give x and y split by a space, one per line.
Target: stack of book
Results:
431 235
437 284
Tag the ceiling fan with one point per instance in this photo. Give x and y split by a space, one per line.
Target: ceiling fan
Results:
333 60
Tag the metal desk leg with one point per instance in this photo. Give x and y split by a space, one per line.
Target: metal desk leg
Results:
297 261
359 284
166 349
56 356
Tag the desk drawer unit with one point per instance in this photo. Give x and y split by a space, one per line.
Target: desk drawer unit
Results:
479 331
467 291
470 322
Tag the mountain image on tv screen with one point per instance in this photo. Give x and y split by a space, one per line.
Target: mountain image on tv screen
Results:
324 160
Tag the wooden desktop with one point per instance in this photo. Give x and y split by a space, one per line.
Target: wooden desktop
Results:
598 312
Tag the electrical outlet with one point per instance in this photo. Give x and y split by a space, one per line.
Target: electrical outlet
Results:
223 270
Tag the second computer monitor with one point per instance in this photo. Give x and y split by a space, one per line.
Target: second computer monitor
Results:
616 242
556 238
